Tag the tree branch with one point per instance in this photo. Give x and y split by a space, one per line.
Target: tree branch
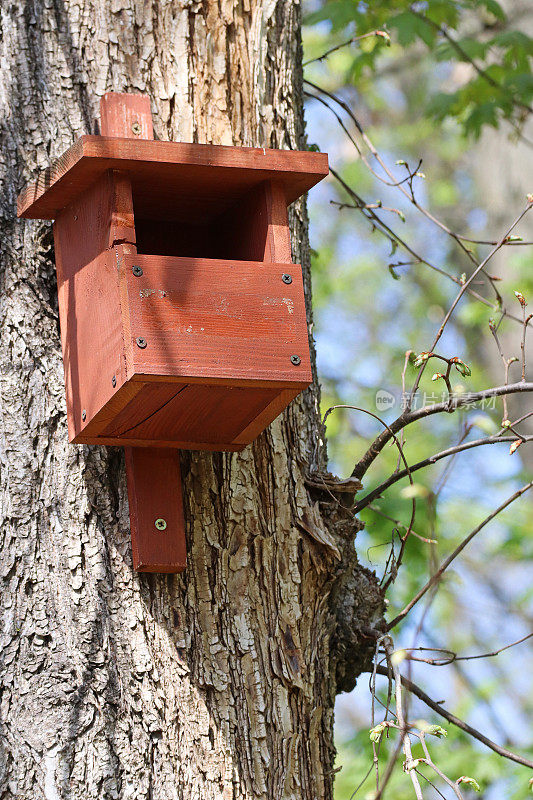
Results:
426 462
464 726
408 417
446 563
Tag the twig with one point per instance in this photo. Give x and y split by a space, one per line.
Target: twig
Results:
399 524
446 563
385 230
403 539
459 723
453 657
403 739
408 417
464 288
399 184
426 462
348 42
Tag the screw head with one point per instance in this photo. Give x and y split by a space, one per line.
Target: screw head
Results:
84 415
141 342
286 278
136 128
161 524
296 360
137 271
114 381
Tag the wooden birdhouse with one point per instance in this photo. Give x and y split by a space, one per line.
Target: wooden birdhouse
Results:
182 315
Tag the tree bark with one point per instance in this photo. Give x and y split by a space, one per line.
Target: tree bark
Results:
218 683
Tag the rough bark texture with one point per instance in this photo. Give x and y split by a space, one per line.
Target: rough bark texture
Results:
218 683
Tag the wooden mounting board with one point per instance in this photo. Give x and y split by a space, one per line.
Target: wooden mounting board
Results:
156 509
189 177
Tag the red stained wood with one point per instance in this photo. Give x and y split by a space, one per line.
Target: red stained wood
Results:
92 333
208 226
224 330
154 493
154 478
278 235
218 319
198 180
195 416
126 115
190 413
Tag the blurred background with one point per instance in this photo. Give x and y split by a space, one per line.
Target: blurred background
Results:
420 100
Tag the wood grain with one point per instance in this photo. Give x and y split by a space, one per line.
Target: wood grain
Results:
193 413
126 115
278 235
198 179
209 318
154 493
92 332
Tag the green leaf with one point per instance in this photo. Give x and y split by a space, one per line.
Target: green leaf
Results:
481 115
409 28
470 782
493 8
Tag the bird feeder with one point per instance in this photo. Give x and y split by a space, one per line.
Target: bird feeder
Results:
182 316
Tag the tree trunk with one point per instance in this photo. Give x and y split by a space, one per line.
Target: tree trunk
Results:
218 683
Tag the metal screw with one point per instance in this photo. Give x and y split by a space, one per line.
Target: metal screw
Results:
137 271
141 342
161 524
136 128
286 278
84 415
114 381
295 360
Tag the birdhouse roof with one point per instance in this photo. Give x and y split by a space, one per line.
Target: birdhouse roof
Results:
170 179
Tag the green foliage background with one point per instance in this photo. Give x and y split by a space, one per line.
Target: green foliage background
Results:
417 93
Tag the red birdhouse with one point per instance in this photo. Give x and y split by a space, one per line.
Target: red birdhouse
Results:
182 315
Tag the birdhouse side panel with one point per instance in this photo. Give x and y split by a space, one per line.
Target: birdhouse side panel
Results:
92 340
89 299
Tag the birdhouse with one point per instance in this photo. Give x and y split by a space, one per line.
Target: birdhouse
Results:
182 316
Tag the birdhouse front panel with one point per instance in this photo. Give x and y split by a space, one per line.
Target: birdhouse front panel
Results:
211 349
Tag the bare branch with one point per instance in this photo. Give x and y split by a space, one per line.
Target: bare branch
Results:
453 657
348 42
459 723
460 240
426 462
408 417
465 286
446 563
393 237
403 539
